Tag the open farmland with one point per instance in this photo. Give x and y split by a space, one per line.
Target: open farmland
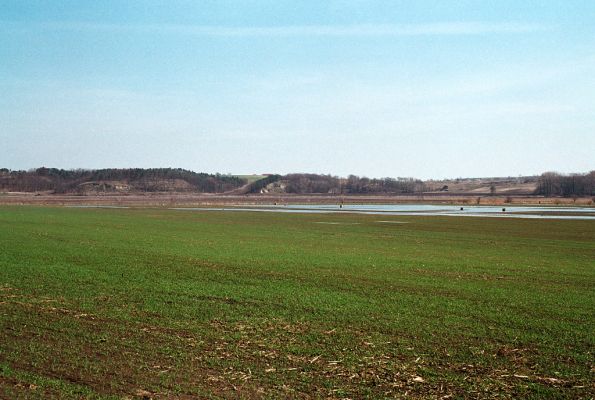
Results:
153 303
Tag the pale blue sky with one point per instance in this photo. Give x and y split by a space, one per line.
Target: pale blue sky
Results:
429 89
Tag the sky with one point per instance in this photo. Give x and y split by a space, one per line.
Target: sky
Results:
426 89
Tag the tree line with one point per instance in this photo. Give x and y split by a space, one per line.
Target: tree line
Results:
111 179
313 183
180 180
572 185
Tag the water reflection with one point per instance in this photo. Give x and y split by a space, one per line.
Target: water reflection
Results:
537 212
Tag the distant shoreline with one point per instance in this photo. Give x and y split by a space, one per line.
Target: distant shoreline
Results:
195 199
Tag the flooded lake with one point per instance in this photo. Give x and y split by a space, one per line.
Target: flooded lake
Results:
579 213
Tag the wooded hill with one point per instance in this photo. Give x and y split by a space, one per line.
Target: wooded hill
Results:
84 181
138 180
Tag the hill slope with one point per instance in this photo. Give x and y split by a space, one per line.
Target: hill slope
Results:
116 181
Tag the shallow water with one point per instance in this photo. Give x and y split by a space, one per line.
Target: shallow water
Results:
533 212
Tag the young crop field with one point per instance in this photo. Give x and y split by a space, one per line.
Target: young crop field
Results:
155 303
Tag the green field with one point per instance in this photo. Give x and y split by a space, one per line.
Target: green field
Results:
112 303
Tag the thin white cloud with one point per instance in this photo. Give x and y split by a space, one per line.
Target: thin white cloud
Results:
357 30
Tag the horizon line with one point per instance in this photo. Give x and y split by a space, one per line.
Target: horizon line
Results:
339 176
